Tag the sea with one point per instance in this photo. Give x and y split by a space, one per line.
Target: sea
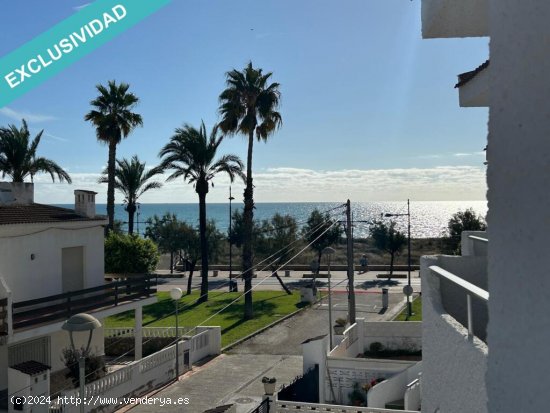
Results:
428 218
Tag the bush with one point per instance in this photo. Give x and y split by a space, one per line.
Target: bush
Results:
130 254
94 367
376 347
462 221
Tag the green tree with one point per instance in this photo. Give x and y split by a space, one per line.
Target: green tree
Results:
259 231
133 180
283 233
191 154
130 254
387 238
18 158
114 120
191 247
462 221
320 232
168 233
249 106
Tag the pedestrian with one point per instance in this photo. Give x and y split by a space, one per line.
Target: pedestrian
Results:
364 263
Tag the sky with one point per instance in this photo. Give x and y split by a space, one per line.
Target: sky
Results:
369 109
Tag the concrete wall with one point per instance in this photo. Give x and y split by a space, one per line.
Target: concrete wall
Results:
452 18
345 372
39 277
471 246
453 377
519 205
394 388
394 335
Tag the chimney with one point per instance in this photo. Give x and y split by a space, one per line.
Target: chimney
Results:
84 202
16 193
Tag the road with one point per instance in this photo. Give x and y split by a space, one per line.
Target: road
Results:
263 281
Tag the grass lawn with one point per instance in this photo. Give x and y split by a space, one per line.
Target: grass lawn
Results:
416 309
268 307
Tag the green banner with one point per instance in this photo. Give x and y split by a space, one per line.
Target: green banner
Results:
70 40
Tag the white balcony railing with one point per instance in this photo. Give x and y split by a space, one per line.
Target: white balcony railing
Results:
470 289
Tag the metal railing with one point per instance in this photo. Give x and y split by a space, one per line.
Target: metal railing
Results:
61 306
470 289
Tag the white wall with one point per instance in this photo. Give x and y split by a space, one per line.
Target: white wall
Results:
394 335
29 279
344 372
519 205
393 388
453 377
452 18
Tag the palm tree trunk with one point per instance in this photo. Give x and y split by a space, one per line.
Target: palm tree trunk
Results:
131 208
189 280
391 264
248 217
204 247
111 185
171 262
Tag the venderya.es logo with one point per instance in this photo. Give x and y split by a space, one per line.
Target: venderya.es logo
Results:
67 42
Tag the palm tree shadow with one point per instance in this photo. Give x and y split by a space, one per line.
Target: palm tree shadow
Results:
379 283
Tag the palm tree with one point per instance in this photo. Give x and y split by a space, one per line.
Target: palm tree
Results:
113 119
249 106
132 180
191 154
18 158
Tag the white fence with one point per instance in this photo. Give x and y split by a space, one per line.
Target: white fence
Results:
291 407
146 374
148 332
394 335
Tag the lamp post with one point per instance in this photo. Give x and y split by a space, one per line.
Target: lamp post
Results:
328 251
175 294
408 288
230 245
77 323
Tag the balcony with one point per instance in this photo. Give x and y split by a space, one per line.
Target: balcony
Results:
455 317
455 18
32 313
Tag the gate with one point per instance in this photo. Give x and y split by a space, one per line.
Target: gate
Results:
303 389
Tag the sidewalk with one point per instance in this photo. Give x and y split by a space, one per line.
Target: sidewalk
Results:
235 377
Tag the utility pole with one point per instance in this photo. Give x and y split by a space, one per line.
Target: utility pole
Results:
351 269
409 304
231 289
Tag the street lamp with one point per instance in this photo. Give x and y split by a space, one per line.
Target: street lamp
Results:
230 245
328 251
77 323
408 288
175 294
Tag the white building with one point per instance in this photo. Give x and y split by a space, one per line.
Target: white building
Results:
506 370
51 267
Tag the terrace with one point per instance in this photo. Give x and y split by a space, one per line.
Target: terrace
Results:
455 317
56 308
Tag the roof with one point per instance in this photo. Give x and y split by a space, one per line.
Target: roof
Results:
39 213
31 367
464 78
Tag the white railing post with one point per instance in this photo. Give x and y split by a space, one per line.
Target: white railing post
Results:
470 317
